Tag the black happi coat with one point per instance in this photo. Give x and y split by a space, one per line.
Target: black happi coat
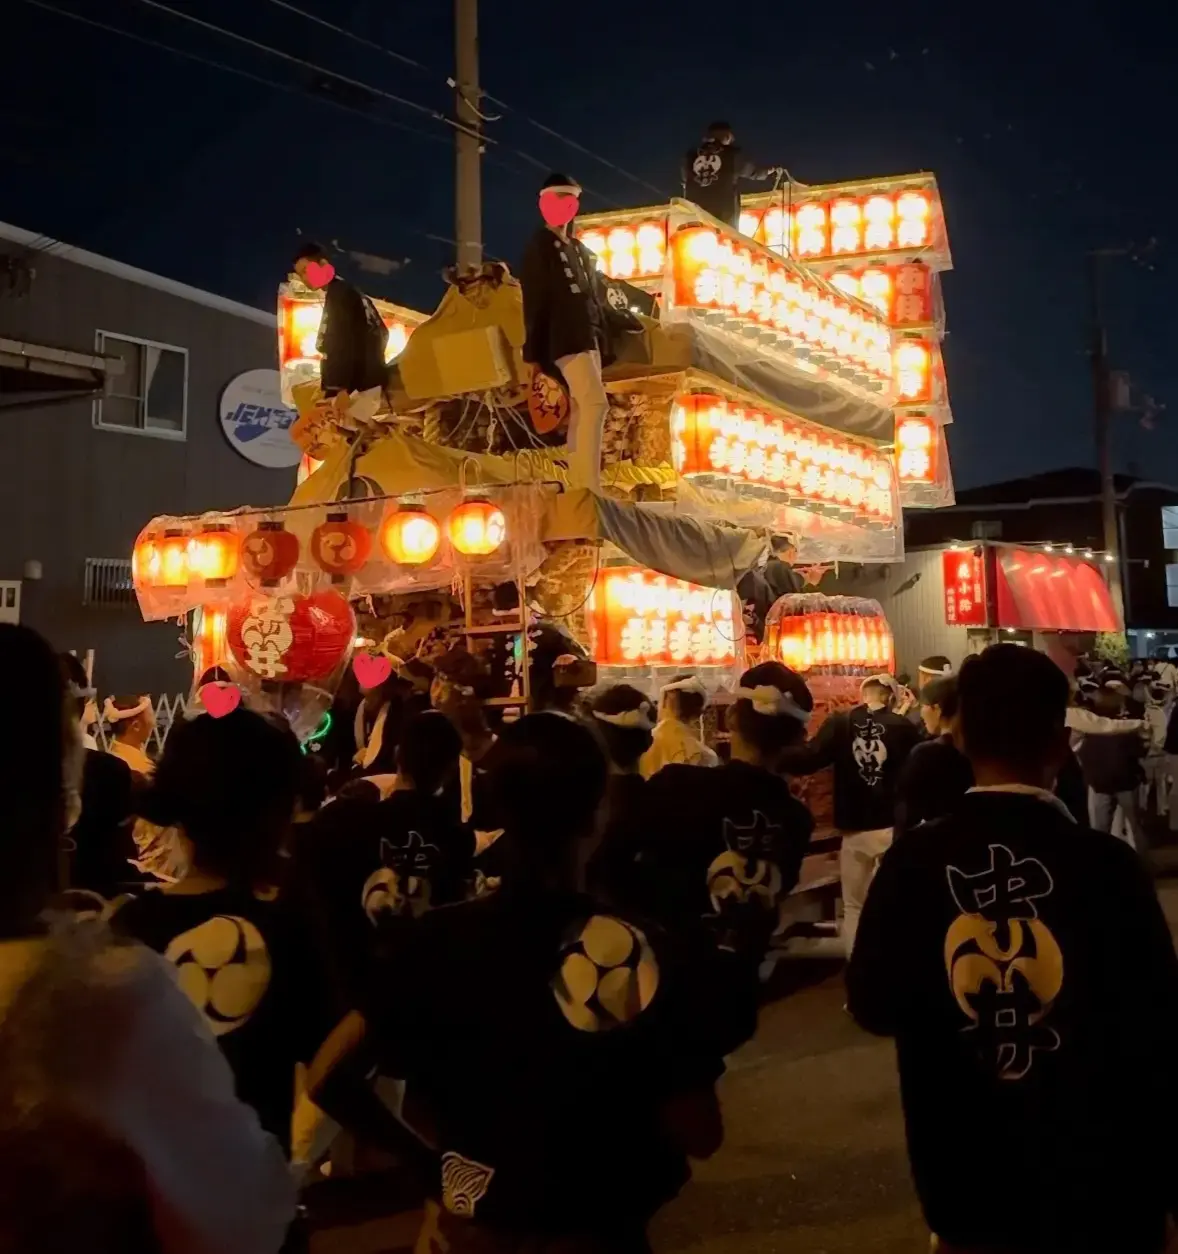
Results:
564 304
352 339
710 176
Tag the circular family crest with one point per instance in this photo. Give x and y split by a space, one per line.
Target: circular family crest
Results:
548 403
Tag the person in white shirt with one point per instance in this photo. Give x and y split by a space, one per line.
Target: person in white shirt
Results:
102 1057
678 735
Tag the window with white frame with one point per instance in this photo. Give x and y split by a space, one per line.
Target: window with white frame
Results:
1170 526
150 396
1172 584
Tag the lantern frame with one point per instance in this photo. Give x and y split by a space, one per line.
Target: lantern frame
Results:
391 538
340 520
487 510
206 541
273 573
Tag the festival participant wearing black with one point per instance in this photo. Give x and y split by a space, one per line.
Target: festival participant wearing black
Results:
364 864
867 746
622 717
725 843
100 841
352 337
712 172
229 785
568 1053
936 773
1025 969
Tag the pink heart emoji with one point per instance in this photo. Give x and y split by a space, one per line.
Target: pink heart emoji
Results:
372 669
220 699
556 208
319 273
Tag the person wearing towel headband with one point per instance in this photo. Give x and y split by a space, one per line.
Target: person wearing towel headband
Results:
131 721
678 734
728 842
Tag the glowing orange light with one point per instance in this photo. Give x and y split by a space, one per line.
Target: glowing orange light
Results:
639 618
161 561
476 528
809 642
214 555
916 449
299 320
210 638
410 536
631 251
711 436
912 372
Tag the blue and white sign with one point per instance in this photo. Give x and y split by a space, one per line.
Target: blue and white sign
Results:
256 422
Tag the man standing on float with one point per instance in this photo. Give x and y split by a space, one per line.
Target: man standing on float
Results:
565 322
712 172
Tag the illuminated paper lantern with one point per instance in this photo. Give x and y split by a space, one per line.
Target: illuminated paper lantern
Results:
288 639
810 632
639 618
161 561
340 546
410 536
269 553
210 644
917 442
476 527
214 555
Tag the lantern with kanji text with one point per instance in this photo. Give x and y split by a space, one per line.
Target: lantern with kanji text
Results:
477 527
410 536
269 553
291 638
340 546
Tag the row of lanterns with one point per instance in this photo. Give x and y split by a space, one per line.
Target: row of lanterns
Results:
773 298
340 546
711 436
805 642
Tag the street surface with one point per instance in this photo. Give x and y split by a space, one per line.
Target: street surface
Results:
813 1161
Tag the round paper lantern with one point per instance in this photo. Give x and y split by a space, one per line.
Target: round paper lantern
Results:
288 639
161 561
270 553
214 554
410 536
477 527
340 546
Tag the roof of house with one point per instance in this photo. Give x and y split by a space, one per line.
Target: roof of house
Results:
132 274
1075 483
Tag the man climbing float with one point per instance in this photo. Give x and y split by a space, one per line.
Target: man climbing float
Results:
713 170
568 321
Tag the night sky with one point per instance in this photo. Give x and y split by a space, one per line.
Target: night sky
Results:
1050 130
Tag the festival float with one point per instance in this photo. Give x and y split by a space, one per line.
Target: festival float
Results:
785 397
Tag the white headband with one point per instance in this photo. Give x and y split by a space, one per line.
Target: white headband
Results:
692 683
632 720
884 681
766 699
112 714
82 694
563 189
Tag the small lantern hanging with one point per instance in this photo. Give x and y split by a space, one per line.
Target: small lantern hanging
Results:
161 561
410 536
340 546
270 553
477 527
214 555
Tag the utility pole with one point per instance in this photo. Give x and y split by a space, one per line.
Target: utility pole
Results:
468 208
1102 412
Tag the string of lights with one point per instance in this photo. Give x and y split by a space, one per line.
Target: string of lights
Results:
1047 546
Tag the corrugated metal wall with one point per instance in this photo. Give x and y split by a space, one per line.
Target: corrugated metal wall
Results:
913 601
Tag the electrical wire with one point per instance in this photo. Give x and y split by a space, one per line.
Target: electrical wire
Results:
372 44
435 114
290 88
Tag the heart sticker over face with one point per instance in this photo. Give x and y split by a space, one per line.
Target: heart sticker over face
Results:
220 699
372 669
319 273
557 208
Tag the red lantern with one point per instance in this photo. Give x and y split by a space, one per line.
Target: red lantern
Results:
477 528
214 554
287 639
410 536
270 553
340 546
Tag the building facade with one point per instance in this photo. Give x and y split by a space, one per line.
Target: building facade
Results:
123 396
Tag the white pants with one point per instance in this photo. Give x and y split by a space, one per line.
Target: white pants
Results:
1157 781
1104 807
858 859
588 406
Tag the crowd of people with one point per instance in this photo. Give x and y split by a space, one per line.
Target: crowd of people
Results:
514 955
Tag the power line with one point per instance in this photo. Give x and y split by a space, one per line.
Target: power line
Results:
309 65
502 104
290 88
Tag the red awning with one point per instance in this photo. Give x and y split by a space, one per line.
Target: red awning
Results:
1040 591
